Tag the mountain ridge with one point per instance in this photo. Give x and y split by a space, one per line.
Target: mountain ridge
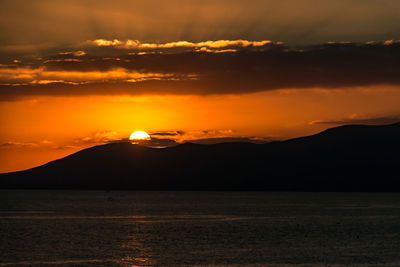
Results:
344 158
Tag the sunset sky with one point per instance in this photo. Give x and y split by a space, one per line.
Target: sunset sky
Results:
75 74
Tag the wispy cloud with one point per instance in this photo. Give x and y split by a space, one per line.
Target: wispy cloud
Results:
100 137
18 144
17 76
356 119
21 144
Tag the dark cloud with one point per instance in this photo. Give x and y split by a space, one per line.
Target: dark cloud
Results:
167 133
357 120
250 69
17 144
37 23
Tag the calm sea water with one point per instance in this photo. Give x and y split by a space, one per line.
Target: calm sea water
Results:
128 228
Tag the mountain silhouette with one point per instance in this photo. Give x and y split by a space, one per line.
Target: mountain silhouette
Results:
345 158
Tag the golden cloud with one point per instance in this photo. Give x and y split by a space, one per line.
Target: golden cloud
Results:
207 50
43 76
135 44
79 53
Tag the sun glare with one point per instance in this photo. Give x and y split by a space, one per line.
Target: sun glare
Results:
139 135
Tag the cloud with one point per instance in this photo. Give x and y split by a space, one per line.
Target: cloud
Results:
308 21
211 136
75 53
183 136
102 42
159 139
18 144
205 49
167 133
136 44
17 76
210 67
208 136
355 119
98 138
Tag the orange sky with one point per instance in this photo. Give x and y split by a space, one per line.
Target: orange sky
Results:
41 129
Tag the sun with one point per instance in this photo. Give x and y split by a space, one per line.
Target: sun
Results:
139 135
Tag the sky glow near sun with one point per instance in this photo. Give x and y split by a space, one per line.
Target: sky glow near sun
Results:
219 69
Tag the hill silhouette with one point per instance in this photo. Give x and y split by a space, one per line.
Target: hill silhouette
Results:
345 158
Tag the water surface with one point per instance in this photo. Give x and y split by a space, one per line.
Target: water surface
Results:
129 228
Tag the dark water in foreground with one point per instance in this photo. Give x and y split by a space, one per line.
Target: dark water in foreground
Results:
124 228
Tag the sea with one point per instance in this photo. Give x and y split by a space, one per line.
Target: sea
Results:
146 228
